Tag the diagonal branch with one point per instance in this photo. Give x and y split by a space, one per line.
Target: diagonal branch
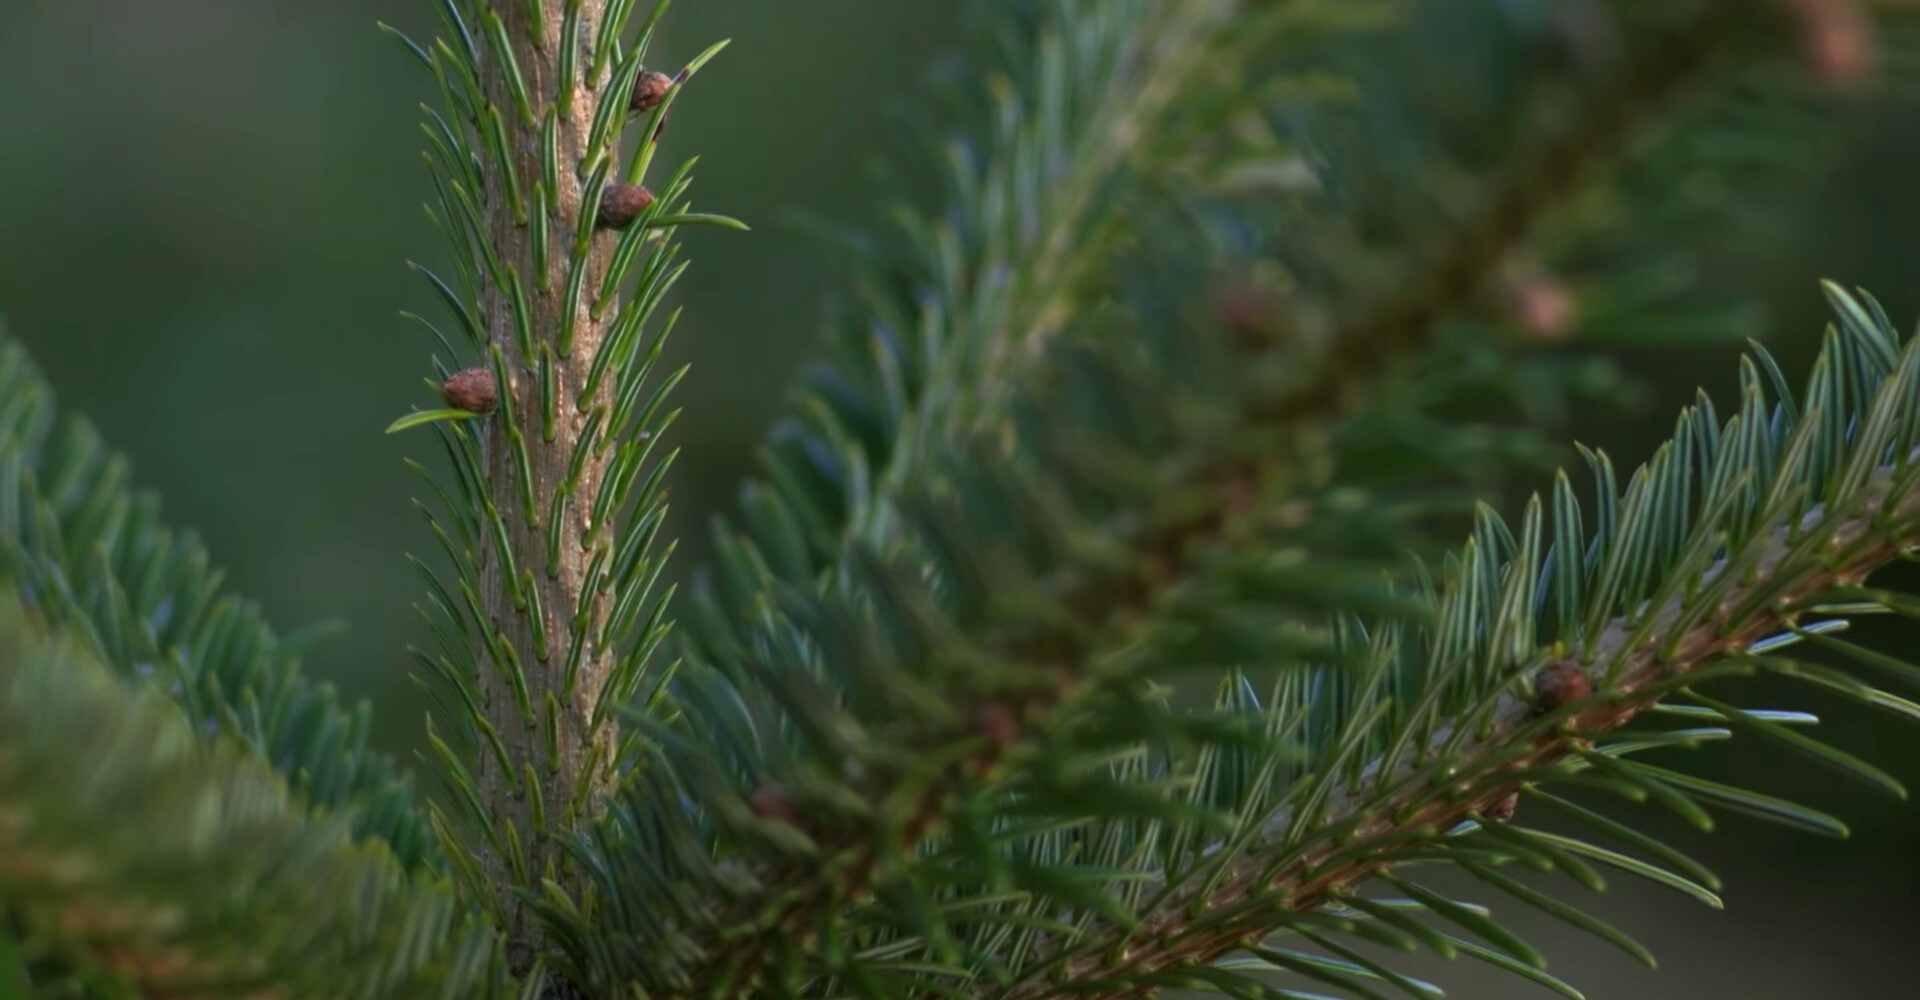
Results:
1111 609
1759 592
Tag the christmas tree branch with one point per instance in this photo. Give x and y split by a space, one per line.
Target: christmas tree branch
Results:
94 557
1252 490
555 499
1544 640
1471 768
1108 608
155 860
543 342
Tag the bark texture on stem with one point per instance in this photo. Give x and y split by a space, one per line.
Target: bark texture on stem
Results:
549 734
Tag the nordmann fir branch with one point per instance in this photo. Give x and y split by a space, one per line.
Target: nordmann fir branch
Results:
1111 610
1727 593
1155 47
556 501
101 851
76 532
1133 82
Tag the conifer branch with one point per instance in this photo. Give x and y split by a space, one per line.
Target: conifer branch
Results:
843 854
1127 63
1412 743
1115 610
1546 640
1471 766
154 860
93 556
1171 49
553 748
553 616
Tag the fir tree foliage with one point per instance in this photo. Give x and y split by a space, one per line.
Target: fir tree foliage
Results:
929 610
550 609
1742 539
1226 318
92 555
153 861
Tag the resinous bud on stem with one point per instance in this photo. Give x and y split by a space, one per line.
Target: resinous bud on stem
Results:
649 91
473 390
1559 686
620 204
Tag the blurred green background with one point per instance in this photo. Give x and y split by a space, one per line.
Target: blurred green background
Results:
205 211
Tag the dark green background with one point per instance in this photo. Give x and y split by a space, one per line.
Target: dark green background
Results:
205 210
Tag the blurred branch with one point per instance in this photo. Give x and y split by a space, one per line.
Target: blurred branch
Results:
1110 607
1472 765
183 868
95 558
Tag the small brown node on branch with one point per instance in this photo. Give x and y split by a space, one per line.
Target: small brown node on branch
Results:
620 204
1559 686
1240 308
1540 304
650 90
1503 810
473 390
1838 42
661 129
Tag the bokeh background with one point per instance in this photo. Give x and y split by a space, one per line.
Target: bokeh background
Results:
205 211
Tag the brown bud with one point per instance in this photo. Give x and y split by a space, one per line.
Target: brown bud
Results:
1542 306
1560 685
650 90
620 204
1503 810
1838 42
770 802
473 390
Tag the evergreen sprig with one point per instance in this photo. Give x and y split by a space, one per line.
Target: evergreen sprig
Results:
929 731
157 861
93 556
907 605
1546 640
548 520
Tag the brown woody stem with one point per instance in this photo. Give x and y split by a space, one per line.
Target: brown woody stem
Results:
536 334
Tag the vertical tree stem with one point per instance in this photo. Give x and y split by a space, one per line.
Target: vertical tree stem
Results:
543 354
